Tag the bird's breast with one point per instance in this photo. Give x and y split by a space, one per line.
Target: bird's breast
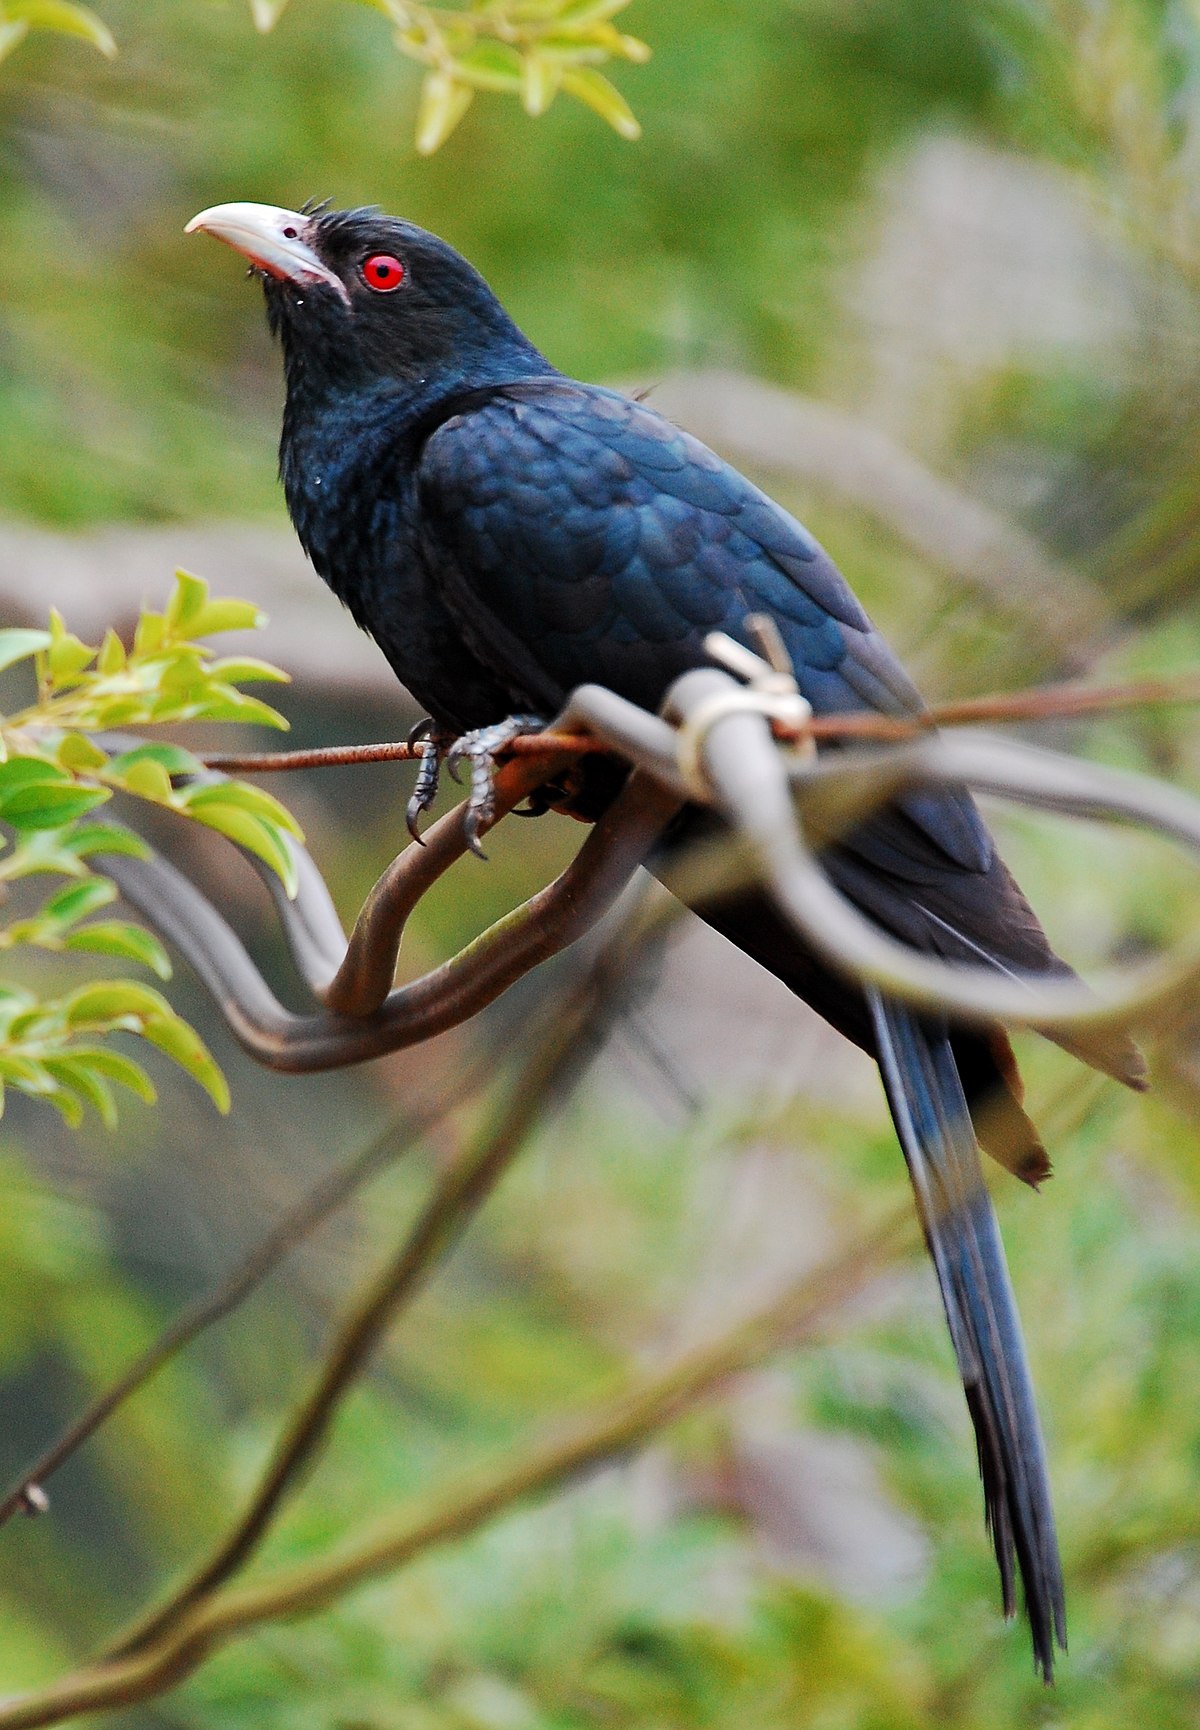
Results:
356 514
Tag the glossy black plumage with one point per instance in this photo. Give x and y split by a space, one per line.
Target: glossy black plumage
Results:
506 533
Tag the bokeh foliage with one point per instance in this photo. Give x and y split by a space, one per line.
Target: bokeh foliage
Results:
136 383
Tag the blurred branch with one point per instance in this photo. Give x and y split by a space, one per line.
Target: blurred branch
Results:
1106 80
325 1197
569 1028
621 1423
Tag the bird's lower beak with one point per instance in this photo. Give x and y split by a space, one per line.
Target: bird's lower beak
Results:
270 238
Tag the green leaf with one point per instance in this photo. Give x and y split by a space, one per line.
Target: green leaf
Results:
179 668
261 839
76 901
66 18
224 703
633 48
185 1047
106 838
148 780
127 942
540 81
591 87
228 615
21 772
76 1076
112 658
244 797
113 712
114 1001
69 1108
76 751
579 12
20 645
65 655
150 634
24 1073
43 851
247 669
171 758
192 613
444 101
116 1067
49 807
187 602
490 66
11 36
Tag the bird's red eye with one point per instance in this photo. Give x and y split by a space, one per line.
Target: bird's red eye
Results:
383 273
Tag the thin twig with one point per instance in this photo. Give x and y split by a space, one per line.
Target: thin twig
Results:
343 756
324 1199
1045 703
624 1421
446 1215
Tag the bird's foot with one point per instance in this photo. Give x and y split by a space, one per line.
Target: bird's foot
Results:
480 749
425 790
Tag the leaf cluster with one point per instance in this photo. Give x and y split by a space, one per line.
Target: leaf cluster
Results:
530 49
59 762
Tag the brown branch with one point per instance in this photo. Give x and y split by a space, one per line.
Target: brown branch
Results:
1044 703
325 1197
450 994
453 1204
624 1421
343 756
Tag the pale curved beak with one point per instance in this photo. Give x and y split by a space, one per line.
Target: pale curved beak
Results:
271 239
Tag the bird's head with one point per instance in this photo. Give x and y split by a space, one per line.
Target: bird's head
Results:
358 298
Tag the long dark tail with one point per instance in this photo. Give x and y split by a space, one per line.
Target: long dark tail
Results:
934 1125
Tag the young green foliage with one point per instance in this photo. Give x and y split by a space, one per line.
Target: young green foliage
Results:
530 49
60 761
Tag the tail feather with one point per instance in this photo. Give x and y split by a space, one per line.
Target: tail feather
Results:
933 1122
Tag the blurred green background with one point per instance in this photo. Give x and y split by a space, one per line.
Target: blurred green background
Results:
967 234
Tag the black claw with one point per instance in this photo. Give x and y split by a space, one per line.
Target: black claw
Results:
426 788
421 729
479 749
413 812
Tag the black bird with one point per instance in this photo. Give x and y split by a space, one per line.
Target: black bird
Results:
506 533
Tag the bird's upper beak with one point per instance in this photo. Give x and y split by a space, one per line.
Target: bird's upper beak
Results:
271 239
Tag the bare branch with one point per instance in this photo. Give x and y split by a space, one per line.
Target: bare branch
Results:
323 1199
622 1423
551 920
563 1047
